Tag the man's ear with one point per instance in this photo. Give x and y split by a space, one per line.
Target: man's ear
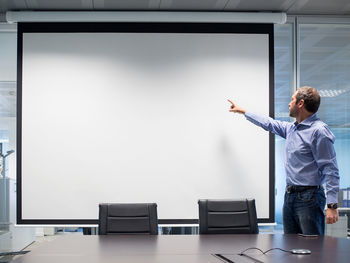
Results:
301 103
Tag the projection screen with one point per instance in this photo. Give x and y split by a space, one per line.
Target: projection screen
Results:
133 113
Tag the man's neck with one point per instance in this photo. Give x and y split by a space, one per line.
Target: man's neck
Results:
303 116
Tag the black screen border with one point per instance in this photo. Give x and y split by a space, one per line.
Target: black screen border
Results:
212 28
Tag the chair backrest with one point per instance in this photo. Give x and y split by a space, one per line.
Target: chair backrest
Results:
128 219
227 217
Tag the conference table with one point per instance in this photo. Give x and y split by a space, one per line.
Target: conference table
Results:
187 248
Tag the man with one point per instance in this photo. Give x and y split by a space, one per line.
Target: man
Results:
310 160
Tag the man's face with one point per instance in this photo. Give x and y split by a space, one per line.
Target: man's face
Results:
293 109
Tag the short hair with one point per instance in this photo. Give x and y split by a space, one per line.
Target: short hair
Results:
310 96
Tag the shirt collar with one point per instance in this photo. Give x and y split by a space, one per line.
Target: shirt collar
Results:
308 121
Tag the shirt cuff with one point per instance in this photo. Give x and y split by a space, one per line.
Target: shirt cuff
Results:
332 198
247 114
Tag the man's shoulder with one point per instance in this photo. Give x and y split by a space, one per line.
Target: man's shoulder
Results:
321 129
319 125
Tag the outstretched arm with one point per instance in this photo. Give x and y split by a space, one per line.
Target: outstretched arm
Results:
267 123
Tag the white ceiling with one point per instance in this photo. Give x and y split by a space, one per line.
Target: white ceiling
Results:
320 7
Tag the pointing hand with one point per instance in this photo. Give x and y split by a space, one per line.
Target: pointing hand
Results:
235 108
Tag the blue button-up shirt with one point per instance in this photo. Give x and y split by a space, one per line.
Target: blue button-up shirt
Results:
310 157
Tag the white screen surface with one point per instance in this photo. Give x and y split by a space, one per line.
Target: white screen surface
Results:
142 117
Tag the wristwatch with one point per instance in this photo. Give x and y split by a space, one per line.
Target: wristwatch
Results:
332 206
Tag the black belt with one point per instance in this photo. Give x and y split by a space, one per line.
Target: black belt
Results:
300 188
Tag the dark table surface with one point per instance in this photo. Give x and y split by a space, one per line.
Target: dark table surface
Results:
186 248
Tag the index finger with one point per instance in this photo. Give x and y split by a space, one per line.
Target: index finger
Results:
231 102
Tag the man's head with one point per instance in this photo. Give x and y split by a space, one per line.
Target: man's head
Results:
304 100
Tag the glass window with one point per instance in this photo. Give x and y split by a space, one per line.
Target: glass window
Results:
284 89
8 62
7 100
325 65
8 56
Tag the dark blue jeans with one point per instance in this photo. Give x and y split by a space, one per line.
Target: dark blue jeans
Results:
303 212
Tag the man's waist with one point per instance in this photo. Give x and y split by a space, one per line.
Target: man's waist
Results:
301 188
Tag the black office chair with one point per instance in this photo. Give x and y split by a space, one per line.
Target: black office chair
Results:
128 219
227 217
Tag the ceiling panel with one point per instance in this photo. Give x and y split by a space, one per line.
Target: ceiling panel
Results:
335 7
59 4
258 5
126 4
12 5
320 7
193 5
